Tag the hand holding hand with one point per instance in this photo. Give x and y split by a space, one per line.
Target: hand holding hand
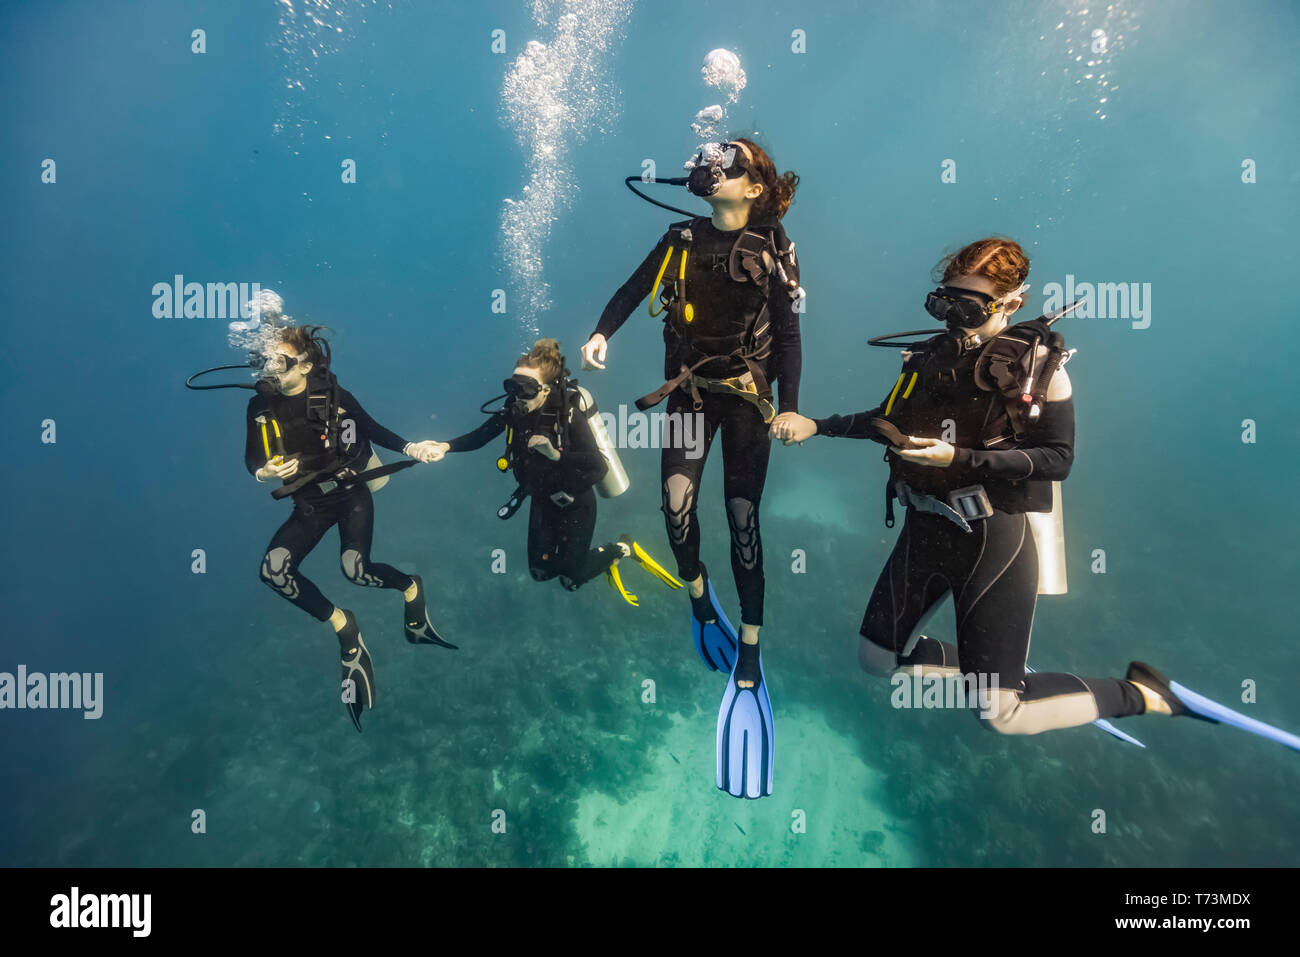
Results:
791 428
427 451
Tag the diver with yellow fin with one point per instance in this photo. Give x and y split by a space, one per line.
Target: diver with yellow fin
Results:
562 457
1001 399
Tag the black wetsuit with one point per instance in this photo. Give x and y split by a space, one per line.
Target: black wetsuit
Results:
721 307
351 507
562 513
991 571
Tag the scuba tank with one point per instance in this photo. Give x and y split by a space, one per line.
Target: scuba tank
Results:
1048 529
1010 364
615 482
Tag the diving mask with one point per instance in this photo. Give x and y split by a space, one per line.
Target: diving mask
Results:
965 317
714 163
953 306
522 393
276 363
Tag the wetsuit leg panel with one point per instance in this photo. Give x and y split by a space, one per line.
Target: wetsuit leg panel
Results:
746 450
995 612
907 592
995 598
543 534
291 543
356 511
680 480
576 561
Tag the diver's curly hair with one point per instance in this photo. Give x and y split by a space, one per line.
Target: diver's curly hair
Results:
999 260
778 189
307 342
546 358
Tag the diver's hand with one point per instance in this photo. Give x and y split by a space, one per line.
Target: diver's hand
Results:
593 353
542 445
426 451
791 428
277 468
934 452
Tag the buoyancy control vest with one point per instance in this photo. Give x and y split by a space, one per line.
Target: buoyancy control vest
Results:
992 397
551 423
749 340
336 452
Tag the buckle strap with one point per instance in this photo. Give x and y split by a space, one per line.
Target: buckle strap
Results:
658 395
964 505
742 386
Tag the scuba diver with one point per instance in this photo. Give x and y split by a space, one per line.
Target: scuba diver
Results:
314 436
561 455
726 285
1001 399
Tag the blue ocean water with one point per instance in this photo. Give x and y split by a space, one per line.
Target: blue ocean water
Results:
572 729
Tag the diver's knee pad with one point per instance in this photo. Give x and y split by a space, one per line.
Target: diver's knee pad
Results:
678 503
277 571
355 569
742 517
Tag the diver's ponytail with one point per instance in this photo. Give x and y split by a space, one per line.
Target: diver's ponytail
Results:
546 358
778 188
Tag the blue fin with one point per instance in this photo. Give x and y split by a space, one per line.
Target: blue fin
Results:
746 739
1106 725
1122 735
715 642
1202 707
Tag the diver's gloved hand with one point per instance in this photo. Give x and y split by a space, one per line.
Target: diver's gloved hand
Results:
277 468
426 451
791 427
933 452
542 445
593 353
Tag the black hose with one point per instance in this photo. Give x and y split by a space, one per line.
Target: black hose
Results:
189 383
674 181
884 343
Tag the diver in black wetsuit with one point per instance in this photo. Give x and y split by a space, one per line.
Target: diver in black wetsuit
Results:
730 329
314 436
556 458
967 495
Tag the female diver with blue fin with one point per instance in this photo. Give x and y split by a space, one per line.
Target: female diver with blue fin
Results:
967 531
727 286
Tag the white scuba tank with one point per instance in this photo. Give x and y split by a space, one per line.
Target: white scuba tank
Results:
1049 537
615 482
